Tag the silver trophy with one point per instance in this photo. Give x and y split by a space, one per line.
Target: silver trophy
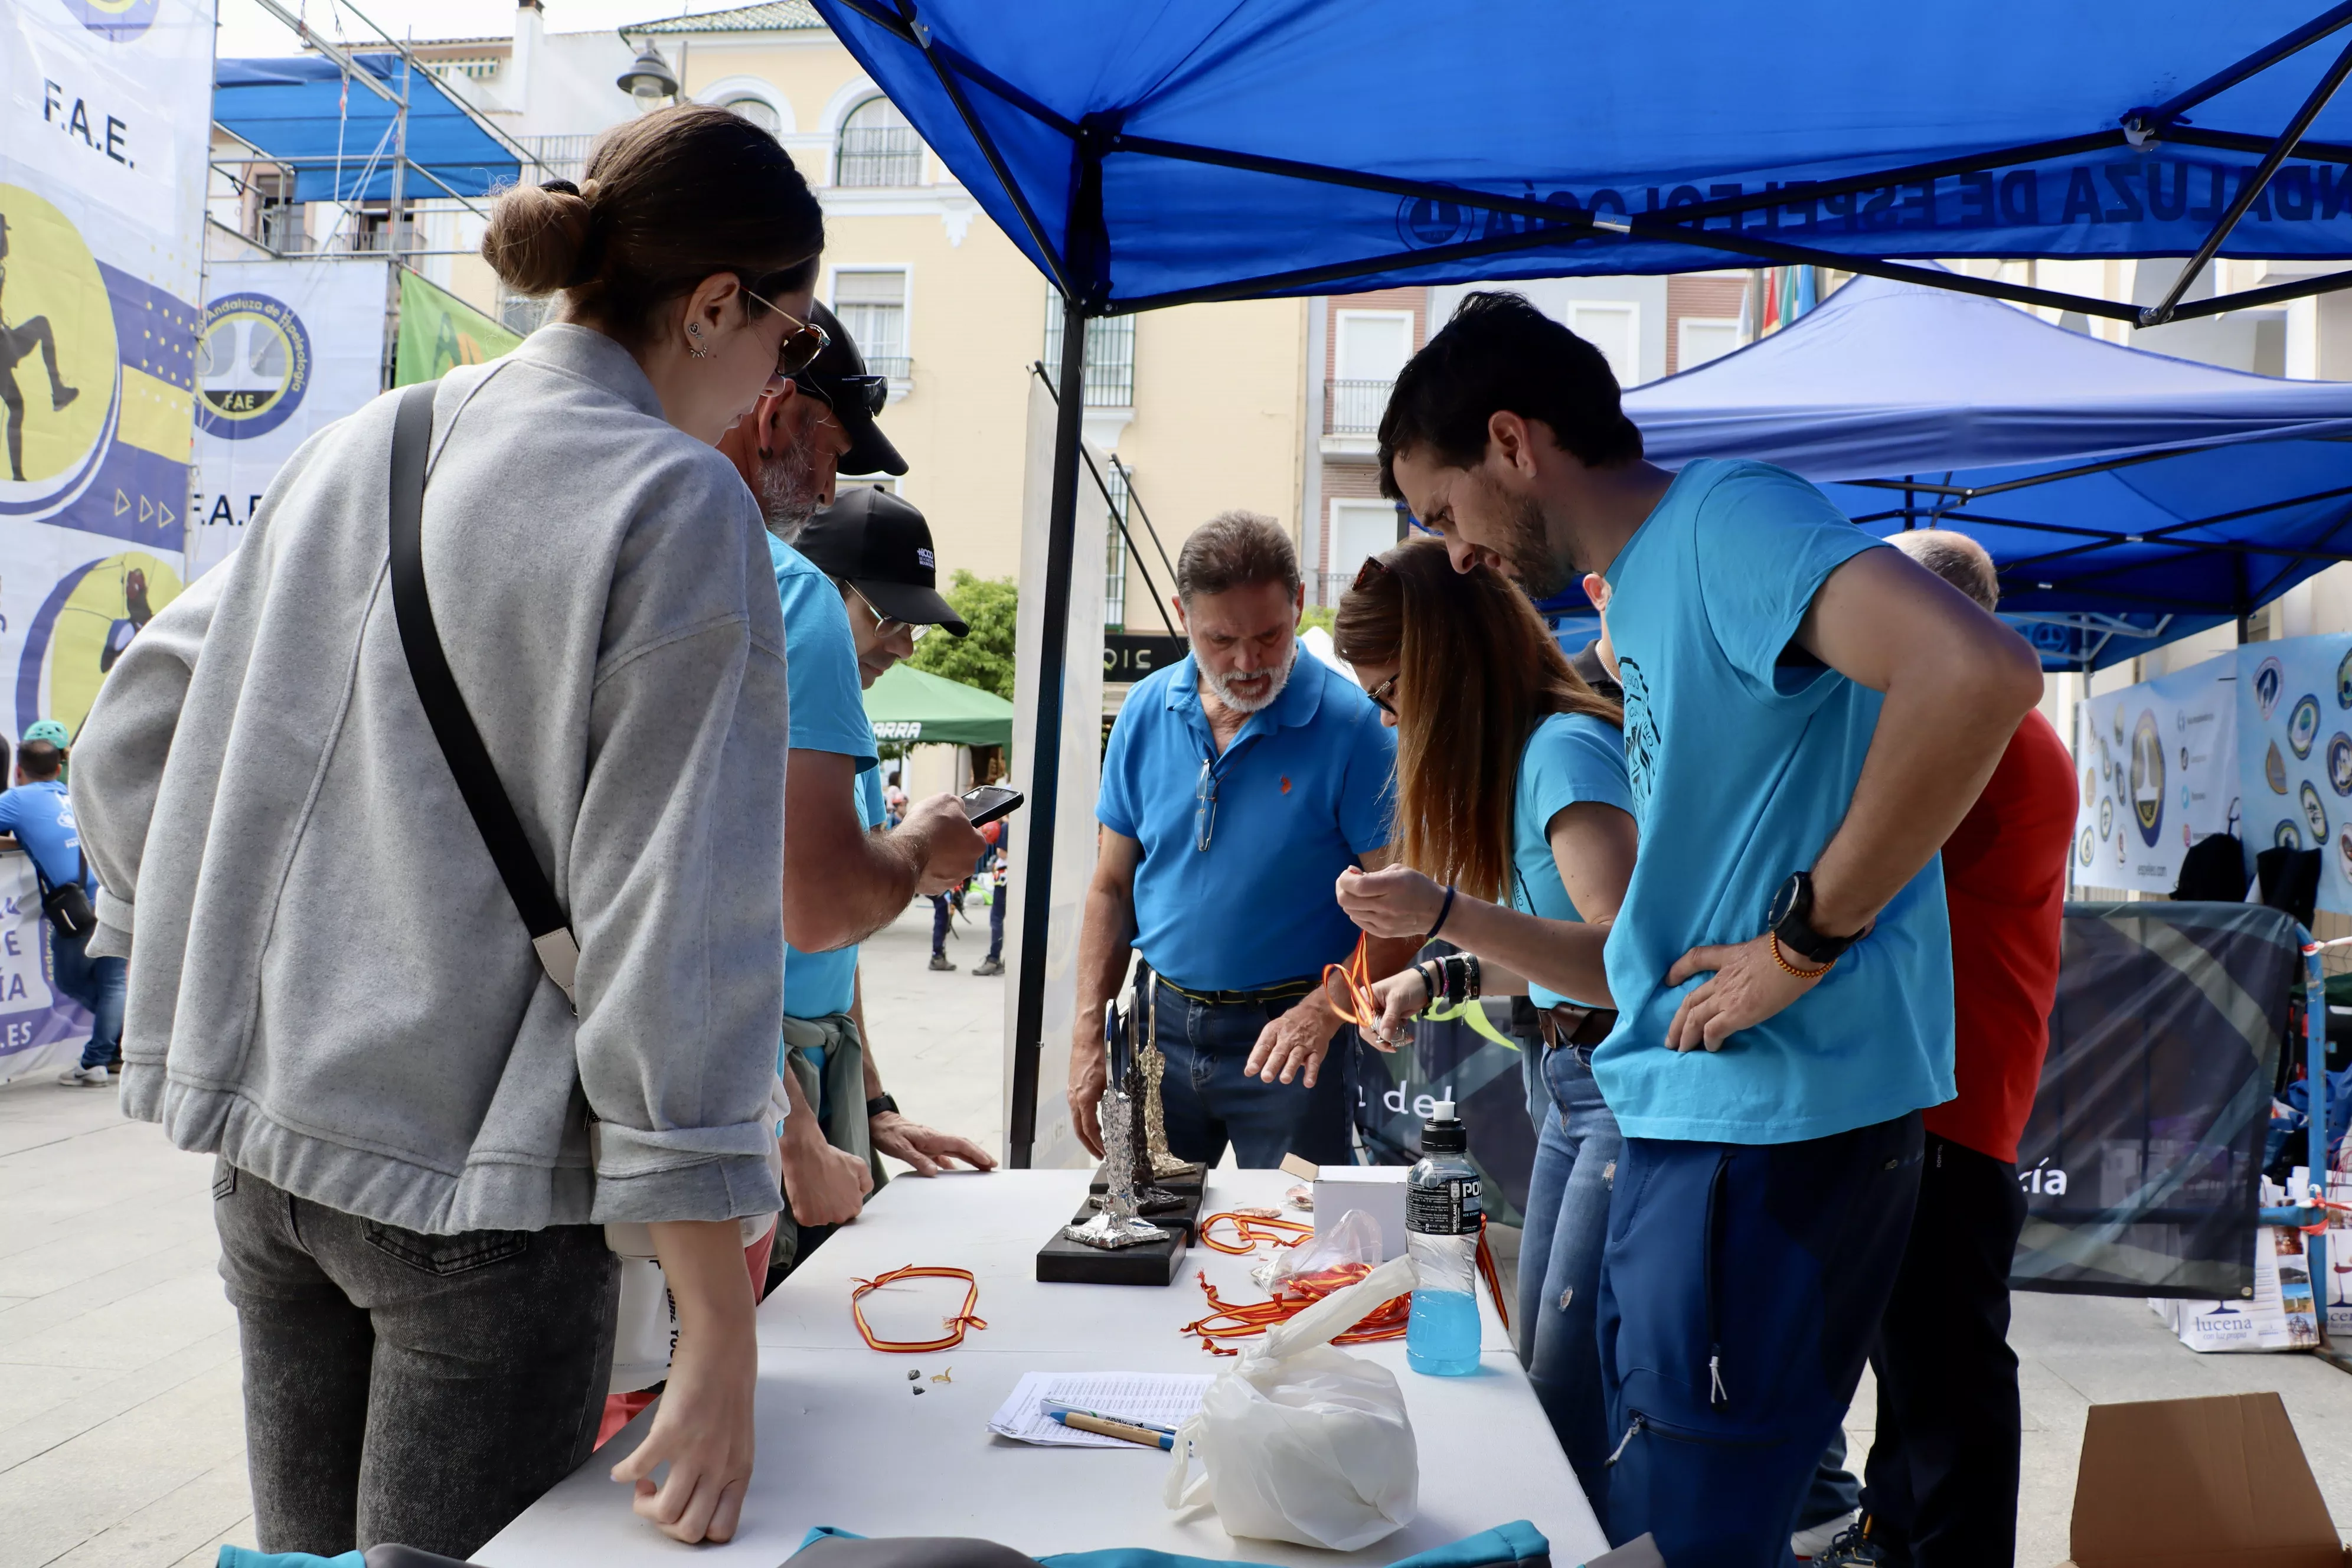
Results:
1119 1224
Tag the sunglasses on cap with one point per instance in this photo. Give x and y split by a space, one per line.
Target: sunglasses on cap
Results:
800 345
871 393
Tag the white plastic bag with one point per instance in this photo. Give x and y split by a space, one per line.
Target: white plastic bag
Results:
1301 1442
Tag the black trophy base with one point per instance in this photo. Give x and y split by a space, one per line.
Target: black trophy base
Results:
1062 1261
1180 1210
1188 1182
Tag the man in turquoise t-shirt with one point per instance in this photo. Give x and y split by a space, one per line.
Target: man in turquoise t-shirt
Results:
1808 715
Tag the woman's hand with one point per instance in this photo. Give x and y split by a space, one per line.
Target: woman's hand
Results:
702 1429
1395 902
1401 995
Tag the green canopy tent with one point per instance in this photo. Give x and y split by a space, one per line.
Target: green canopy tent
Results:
913 707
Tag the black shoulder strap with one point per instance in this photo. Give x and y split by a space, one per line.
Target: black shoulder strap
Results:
444 706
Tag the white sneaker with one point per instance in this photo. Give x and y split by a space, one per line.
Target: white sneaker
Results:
1807 1544
87 1076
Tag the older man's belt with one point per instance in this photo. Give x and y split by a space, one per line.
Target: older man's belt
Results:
1566 1024
1282 990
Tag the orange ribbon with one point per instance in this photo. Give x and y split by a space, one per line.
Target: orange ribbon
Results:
1251 1229
1358 1006
955 1325
1229 1321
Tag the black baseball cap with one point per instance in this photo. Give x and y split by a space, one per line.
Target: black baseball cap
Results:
837 378
882 547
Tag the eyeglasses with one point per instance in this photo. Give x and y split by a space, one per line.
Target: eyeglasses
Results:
1381 693
870 392
1204 804
884 626
1371 572
800 345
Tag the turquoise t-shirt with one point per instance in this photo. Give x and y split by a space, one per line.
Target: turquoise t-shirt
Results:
1743 753
828 714
1569 757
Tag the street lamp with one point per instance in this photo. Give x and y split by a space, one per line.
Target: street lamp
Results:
650 79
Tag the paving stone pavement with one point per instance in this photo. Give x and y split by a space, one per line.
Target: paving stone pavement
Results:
121 1437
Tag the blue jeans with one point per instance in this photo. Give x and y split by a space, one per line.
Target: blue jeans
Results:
1741 1290
96 984
996 922
1209 1101
1576 1146
942 911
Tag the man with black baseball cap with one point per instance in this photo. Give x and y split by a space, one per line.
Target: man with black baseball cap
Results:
806 429
874 553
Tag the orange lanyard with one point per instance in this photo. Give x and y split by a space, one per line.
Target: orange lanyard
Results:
1227 1321
1249 1229
955 1325
1358 1006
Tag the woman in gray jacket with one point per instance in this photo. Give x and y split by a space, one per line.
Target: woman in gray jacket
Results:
329 987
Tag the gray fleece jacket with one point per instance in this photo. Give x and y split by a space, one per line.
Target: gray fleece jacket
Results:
328 984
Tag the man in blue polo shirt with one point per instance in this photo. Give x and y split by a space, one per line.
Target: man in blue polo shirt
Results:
1807 716
38 812
1238 783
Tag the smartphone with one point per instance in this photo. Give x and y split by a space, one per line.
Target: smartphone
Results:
986 803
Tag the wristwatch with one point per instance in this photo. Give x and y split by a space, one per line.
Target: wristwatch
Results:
881 1105
1791 920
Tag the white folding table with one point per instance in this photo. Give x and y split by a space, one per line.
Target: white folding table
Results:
843 1439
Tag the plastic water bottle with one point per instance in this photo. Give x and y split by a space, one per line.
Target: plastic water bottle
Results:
1442 1216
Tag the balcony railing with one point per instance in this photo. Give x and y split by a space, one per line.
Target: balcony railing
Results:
887 155
897 367
1354 407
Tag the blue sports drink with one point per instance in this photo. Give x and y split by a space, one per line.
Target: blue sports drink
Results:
1442 1217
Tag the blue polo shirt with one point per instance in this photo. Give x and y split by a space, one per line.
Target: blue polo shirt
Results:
42 818
1569 758
828 714
1743 757
1304 789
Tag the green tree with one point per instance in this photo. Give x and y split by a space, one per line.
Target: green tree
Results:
983 659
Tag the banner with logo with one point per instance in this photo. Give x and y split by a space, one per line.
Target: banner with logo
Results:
105 120
2295 732
288 348
439 331
2160 770
41 1030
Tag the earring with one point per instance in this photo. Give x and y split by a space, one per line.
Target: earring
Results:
694 331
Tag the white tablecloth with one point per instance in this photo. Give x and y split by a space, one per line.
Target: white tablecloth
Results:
843 1441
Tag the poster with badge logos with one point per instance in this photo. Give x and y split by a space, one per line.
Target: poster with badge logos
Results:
105 126
2296 754
2158 770
286 349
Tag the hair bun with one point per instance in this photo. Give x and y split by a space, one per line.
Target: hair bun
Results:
537 240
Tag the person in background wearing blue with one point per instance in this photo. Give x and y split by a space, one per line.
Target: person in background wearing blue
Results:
1238 781
1809 714
992 868
1512 795
38 812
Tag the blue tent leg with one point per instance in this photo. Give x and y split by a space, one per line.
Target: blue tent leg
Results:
2314 1046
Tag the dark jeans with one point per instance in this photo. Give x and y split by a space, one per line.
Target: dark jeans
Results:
96 984
401 1387
942 911
996 901
1941 1487
1577 1145
1739 1293
1209 1103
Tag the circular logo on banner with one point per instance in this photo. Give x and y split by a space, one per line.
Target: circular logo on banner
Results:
2302 725
58 359
253 366
2274 769
2267 677
2083 850
2343 681
2287 836
2344 851
2147 777
2314 813
118 21
2106 820
1425 221
81 629
2339 762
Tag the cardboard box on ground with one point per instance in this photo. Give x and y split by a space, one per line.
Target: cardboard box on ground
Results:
2212 1483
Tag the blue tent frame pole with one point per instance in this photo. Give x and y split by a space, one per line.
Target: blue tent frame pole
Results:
2315 1045
1046 765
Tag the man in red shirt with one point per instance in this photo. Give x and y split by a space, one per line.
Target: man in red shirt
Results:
1941 1487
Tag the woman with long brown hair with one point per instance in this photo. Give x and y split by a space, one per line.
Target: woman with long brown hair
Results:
1515 815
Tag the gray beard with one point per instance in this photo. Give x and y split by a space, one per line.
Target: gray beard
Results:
787 490
1251 704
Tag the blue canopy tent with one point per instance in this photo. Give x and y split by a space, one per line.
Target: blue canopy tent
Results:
2127 496
1171 150
348 146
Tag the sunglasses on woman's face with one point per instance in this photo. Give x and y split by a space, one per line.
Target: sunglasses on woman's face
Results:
1381 693
799 346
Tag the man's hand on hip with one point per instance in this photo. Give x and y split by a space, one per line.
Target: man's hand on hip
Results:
823 1185
926 1149
1748 987
1089 1075
944 843
1294 1043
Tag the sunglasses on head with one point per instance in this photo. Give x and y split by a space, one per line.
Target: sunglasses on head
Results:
1371 572
871 393
800 345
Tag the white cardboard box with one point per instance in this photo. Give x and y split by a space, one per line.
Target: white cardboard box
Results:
1378 1190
